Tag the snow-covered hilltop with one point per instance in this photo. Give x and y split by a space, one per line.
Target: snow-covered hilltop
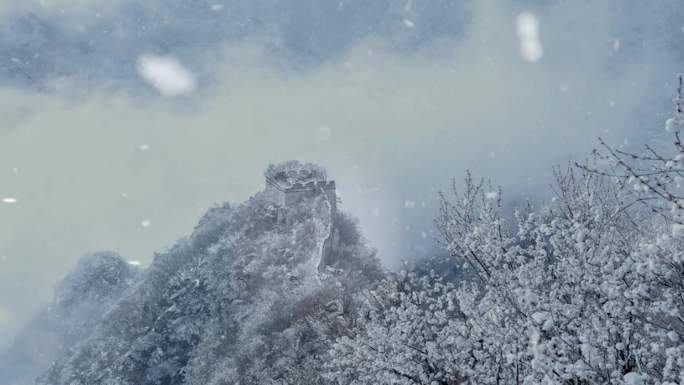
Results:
237 301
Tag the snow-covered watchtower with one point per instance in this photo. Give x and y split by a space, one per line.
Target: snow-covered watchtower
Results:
293 181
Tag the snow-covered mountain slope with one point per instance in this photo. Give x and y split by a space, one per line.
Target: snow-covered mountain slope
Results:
250 297
80 301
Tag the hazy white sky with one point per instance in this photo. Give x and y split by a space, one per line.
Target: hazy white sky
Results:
102 154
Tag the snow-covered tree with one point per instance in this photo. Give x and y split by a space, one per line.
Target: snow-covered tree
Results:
80 302
410 333
585 289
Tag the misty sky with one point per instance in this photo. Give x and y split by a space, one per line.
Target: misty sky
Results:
122 121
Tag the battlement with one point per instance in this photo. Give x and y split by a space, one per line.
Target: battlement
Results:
291 182
311 186
299 191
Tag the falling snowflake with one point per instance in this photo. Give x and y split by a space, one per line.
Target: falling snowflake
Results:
528 34
325 133
166 74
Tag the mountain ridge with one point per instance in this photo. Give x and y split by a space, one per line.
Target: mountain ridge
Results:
235 301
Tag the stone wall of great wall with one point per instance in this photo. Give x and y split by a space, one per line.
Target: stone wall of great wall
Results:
289 192
290 188
300 191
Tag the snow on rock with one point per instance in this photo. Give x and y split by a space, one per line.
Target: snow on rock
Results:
677 230
673 336
633 378
167 75
539 317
